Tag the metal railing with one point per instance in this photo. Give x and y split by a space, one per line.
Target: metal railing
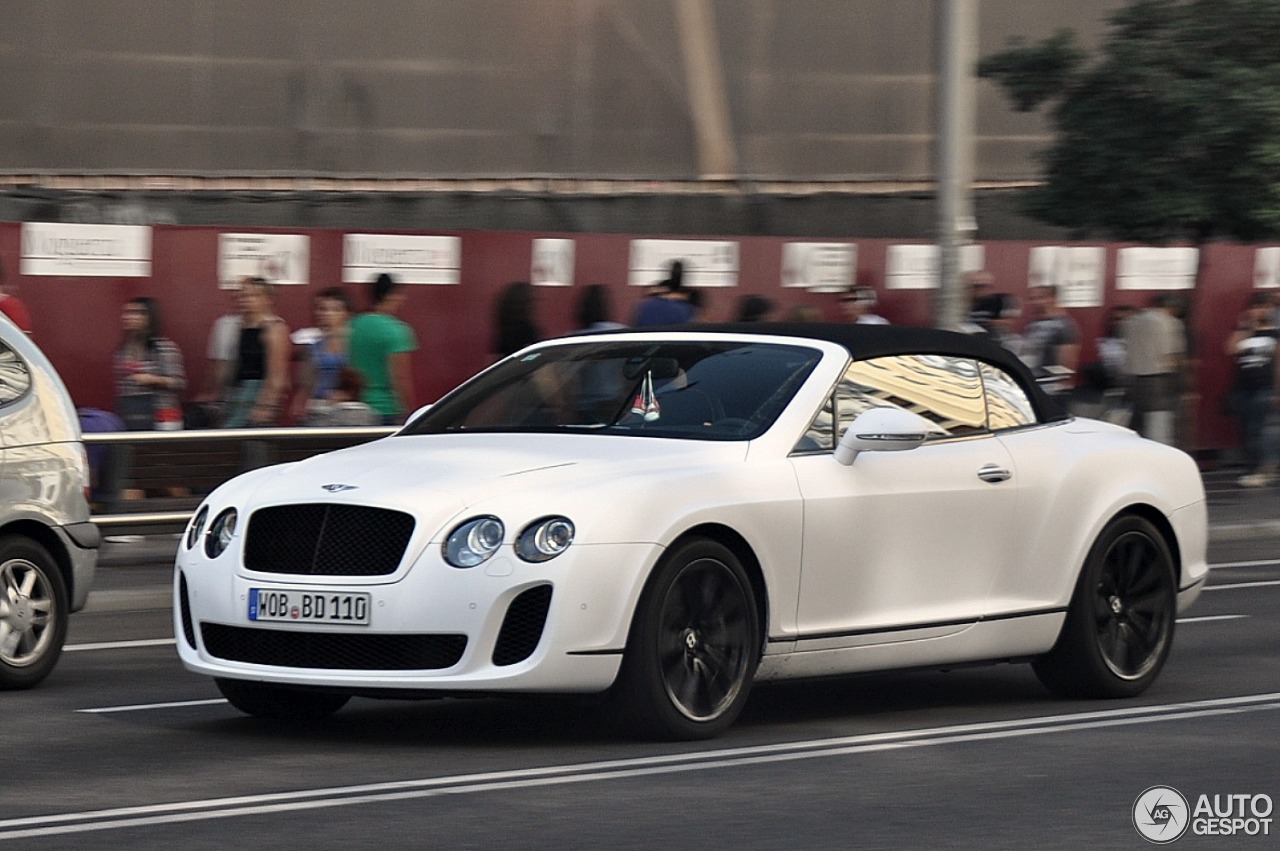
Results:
132 459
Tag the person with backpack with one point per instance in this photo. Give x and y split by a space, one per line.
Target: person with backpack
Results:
1255 399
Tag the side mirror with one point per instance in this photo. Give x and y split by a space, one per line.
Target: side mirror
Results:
883 430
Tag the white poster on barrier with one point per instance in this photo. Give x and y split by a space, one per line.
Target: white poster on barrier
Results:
85 251
280 258
915 267
1266 269
707 263
1148 268
552 263
1078 272
410 259
820 267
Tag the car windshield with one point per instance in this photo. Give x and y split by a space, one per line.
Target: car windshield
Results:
700 390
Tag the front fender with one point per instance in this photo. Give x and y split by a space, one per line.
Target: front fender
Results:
759 502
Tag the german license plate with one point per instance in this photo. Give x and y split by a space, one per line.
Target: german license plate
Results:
295 606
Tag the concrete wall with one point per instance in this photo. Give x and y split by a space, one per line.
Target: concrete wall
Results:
815 88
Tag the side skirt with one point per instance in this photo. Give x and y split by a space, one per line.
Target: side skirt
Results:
926 645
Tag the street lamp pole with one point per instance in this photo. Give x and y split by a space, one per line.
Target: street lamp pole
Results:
957 54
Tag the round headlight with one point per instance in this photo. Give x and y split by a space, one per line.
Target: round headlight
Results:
474 542
197 526
545 539
221 531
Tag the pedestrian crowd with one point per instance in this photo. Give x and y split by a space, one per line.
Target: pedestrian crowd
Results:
354 368
348 369
1143 374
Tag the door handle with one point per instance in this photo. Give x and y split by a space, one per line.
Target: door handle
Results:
994 473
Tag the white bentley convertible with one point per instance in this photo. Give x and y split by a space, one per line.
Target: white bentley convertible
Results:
670 516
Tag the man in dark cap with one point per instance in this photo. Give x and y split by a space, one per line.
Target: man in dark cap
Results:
858 306
668 304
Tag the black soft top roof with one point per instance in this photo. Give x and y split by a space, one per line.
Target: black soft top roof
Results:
873 341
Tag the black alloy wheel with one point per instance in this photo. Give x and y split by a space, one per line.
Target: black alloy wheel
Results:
1132 605
694 646
1119 629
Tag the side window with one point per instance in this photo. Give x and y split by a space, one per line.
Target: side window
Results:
1008 405
945 390
820 435
15 377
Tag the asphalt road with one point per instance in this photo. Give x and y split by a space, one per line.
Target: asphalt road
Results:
121 747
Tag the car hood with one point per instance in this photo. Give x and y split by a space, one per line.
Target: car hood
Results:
453 471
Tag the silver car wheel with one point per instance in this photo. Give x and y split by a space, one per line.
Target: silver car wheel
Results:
28 613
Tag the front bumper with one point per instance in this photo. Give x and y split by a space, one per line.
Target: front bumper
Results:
1191 528
80 541
559 626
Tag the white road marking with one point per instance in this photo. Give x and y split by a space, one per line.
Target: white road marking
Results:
341 796
1212 618
137 707
120 645
1234 585
1266 562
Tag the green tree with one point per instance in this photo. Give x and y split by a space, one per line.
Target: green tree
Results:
1172 132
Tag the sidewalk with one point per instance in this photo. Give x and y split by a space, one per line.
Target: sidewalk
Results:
1241 514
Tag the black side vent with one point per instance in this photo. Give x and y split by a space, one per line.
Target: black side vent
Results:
188 626
522 627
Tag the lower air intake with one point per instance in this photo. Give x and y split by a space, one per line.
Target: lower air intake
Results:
332 651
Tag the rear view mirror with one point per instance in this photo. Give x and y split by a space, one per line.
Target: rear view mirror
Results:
884 430
658 368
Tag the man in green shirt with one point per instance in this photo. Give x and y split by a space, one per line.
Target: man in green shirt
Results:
380 348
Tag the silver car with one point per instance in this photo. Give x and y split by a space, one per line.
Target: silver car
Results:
48 545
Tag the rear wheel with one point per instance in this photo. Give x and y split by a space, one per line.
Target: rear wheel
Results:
694 646
280 703
1119 629
33 613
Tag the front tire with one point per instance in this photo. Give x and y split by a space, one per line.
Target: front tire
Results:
280 703
33 613
693 648
1119 628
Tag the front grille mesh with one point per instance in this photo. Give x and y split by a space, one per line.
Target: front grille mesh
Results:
322 539
332 651
522 627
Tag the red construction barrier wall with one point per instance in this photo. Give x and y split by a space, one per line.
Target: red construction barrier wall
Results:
77 320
